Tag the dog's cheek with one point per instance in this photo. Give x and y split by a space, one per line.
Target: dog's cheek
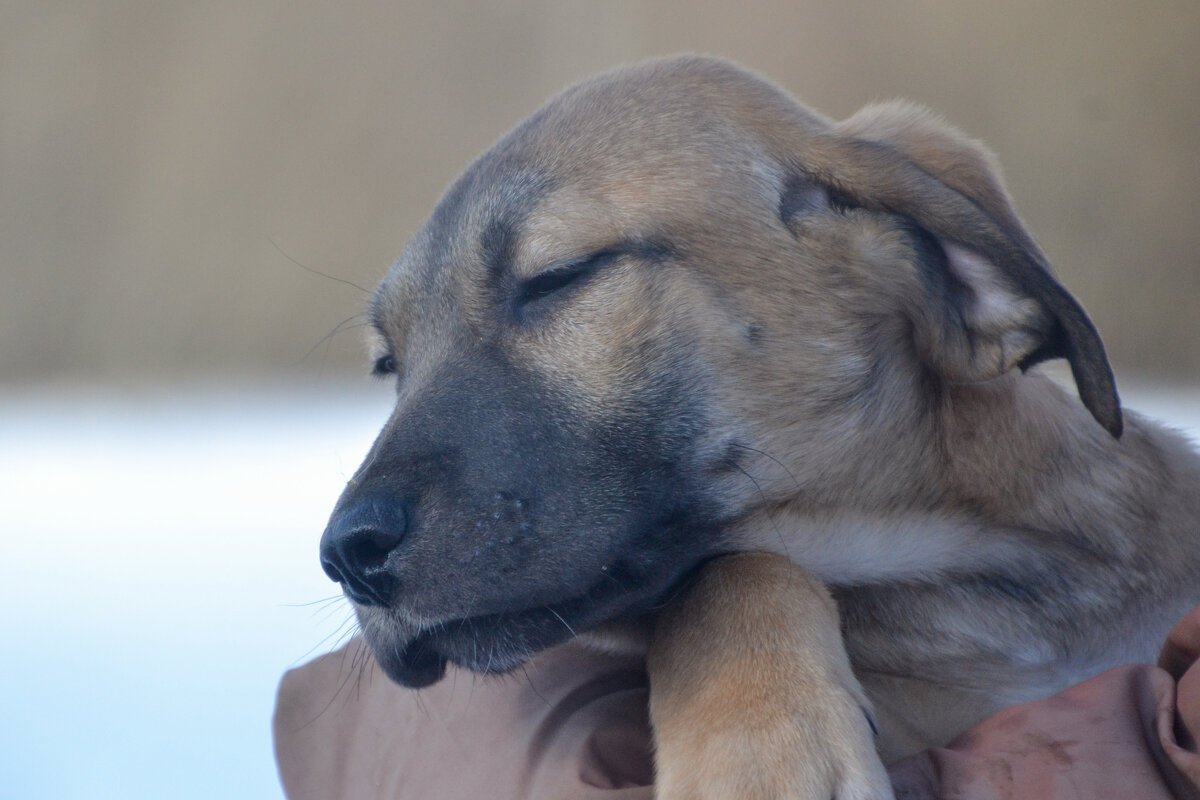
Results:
637 360
828 375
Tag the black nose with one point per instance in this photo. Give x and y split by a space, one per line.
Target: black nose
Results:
356 545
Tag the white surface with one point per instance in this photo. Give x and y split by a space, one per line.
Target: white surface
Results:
160 556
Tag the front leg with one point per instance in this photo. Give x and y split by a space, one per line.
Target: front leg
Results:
751 692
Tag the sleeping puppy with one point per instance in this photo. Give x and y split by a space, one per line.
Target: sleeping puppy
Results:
682 360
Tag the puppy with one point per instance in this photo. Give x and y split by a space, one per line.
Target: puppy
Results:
675 323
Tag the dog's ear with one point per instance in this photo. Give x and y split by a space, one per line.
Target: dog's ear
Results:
992 301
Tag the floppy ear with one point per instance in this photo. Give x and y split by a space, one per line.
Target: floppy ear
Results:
994 303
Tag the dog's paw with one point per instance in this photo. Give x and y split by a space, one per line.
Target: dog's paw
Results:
751 693
817 745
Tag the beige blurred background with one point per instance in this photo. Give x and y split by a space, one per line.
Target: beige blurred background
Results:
158 159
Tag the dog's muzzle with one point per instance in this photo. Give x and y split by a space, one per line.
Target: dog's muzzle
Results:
356 546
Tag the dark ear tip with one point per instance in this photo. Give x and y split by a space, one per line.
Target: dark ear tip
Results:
1115 425
1105 407
1097 386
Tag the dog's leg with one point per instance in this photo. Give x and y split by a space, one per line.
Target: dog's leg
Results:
751 692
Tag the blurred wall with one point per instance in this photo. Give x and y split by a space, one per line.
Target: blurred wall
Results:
159 159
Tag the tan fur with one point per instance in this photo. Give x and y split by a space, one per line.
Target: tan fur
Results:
869 359
752 695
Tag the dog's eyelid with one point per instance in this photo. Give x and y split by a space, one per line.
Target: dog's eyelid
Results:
563 273
650 249
593 259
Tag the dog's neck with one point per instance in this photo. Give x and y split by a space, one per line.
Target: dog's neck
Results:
1055 552
1069 524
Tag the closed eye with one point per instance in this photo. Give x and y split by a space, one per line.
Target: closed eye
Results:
561 277
384 365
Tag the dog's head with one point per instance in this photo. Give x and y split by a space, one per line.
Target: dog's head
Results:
671 298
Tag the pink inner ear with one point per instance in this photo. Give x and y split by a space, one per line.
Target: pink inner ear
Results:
997 304
1002 325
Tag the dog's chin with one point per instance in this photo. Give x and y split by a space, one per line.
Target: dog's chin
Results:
414 664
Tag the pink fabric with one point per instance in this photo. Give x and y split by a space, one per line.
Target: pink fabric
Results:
573 725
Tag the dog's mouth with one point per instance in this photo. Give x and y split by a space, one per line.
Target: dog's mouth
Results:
488 644
497 643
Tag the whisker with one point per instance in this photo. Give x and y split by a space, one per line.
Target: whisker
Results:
563 621
774 524
533 688
342 684
491 655
339 635
362 670
322 601
284 253
341 327
765 454
328 611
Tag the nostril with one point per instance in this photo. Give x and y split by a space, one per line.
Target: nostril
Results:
366 550
356 546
